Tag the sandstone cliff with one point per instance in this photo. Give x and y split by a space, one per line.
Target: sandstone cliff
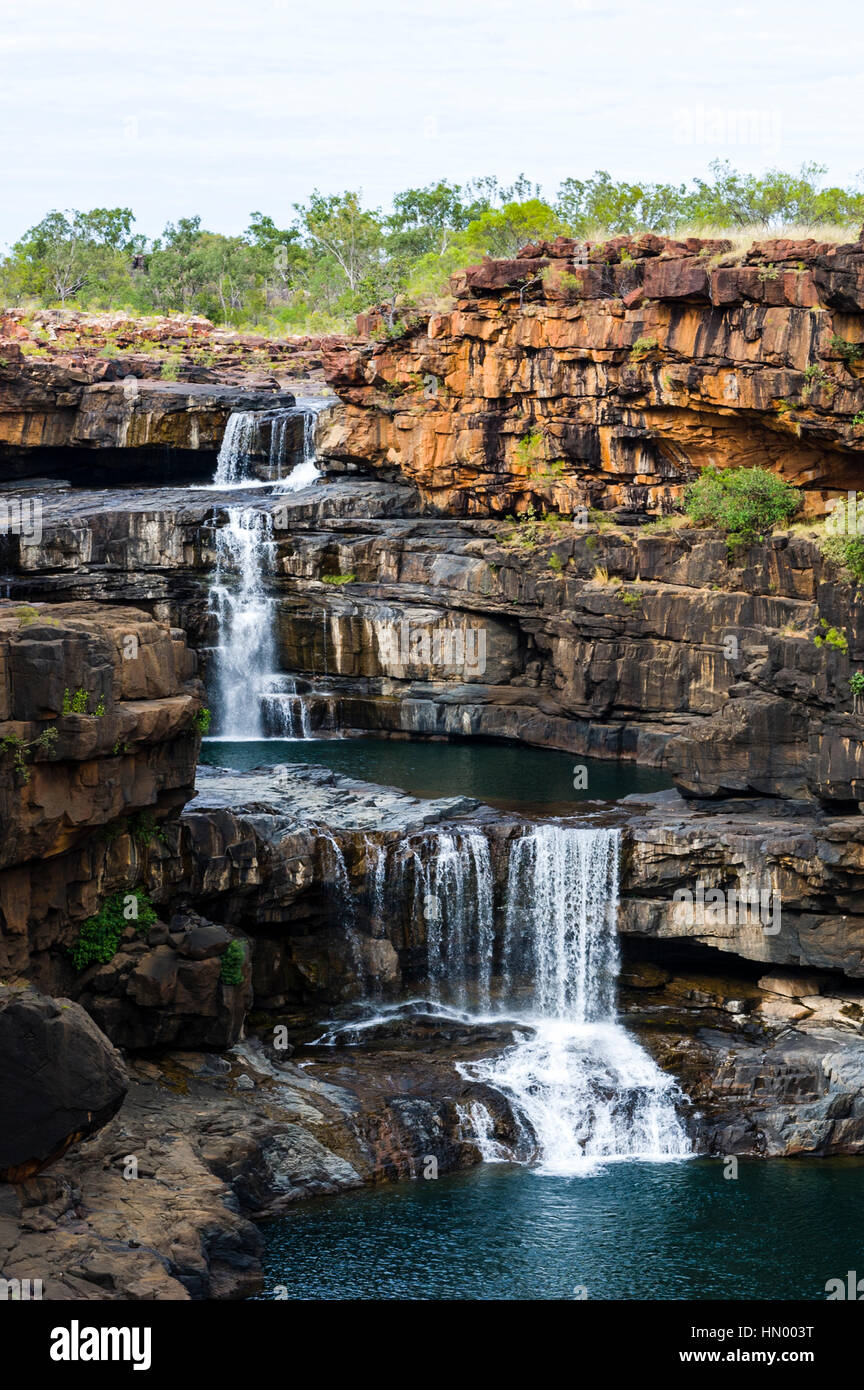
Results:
557 384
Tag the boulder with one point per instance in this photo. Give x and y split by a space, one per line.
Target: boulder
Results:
61 1079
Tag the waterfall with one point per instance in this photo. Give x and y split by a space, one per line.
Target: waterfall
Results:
580 1088
245 655
453 899
232 465
243 444
560 922
587 1088
252 699
285 710
306 471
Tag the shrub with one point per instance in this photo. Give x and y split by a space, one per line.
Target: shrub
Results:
817 379
856 683
844 539
21 749
144 827
850 352
338 578
744 502
77 703
832 637
100 935
642 347
202 719
233 963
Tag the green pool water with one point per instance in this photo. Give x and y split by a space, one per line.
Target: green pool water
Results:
680 1230
505 775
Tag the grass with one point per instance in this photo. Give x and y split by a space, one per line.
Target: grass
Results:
742 238
600 575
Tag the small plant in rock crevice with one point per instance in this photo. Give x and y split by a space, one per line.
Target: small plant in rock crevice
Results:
76 703
642 347
100 935
233 960
850 352
831 637
22 748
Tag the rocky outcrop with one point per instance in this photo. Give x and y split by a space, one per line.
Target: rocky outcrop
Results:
599 640
86 423
160 1204
609 378
98 722
789 882
60 1082
770 1068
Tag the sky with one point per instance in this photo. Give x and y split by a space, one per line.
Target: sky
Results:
177 107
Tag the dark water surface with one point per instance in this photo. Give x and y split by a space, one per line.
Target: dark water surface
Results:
509 776
781 1230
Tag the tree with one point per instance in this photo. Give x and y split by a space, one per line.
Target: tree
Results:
343 232
66 252
280 258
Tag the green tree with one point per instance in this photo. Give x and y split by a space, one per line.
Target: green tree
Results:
68 253
343 233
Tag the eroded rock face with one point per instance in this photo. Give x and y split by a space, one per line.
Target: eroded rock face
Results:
51 411
612 383
771 1068
611 642
97 707
98 711
803 872
60 1081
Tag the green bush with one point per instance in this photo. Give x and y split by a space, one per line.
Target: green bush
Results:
233 963
338 578
850 352
202 720
642 347
856 683
100 935
831 637
744 502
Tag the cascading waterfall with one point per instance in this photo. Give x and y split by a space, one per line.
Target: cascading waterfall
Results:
306 471
284 709
453 896
581 1089
587 1089
252 700
242 441
245 657
238 441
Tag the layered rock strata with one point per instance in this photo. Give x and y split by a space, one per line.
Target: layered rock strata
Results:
608 376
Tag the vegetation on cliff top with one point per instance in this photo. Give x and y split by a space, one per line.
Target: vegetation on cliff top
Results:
338 257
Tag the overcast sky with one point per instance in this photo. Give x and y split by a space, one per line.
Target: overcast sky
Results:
175 107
